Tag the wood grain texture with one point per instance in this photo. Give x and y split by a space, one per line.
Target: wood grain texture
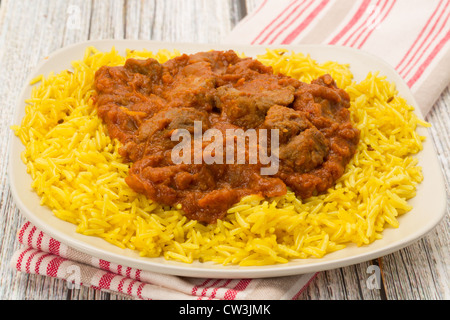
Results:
32 29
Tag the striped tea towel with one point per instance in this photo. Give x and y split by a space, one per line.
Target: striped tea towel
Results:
41 254
411 35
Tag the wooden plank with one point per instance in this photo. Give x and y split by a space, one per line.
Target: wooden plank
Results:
107 20
348 283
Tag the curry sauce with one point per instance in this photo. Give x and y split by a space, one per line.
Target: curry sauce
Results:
144 103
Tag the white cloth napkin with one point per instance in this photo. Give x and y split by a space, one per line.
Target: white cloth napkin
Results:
411 35
44 255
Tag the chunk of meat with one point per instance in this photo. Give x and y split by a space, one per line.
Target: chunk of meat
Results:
305 151
149 68
288 121
246 105
154 135
302 146
191 86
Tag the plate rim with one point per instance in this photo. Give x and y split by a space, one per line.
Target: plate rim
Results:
217 271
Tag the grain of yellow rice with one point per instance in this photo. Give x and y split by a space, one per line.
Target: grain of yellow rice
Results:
77 172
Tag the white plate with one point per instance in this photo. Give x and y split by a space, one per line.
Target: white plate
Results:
428 206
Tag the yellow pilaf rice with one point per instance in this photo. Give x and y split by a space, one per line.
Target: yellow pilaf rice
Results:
78 173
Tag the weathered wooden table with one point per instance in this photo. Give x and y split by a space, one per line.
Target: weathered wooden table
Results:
31 29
